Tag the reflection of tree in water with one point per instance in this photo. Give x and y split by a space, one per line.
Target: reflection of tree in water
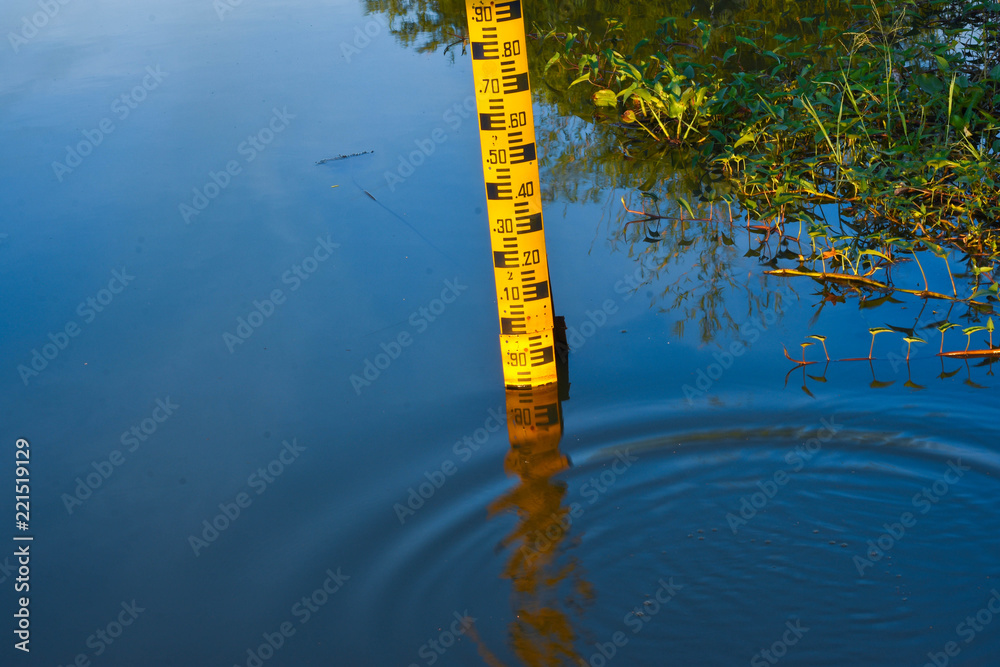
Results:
546 584
425 25
586 156
429 24
688 255
586 161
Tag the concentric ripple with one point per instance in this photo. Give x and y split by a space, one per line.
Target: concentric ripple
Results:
812 541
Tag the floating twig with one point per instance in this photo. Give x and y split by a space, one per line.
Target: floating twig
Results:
868 282
343 157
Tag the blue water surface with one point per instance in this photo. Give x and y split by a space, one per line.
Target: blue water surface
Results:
263 395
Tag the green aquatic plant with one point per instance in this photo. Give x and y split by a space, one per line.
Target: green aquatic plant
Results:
822 340
887 119
804 346
944 326
855 144
910 340
968 331
874 332
799 362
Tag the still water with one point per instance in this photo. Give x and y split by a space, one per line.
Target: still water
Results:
265 407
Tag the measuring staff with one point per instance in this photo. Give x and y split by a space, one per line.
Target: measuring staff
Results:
513 195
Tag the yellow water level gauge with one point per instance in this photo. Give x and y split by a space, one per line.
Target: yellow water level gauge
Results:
513 195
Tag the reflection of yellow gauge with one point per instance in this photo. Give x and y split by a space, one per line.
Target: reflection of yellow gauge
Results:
534 424
547 585
513 195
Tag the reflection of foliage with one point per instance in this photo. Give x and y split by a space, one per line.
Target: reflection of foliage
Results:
424 24
583 160
984 357
833 141
889 119
693 256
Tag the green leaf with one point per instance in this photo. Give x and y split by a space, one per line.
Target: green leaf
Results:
875 252
580 79
605 98
628 91
749 136
976 269
934 248
942 63
748 42
938 164
729 54
676 109
928 84
875 303
552 61
646 96
686 205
